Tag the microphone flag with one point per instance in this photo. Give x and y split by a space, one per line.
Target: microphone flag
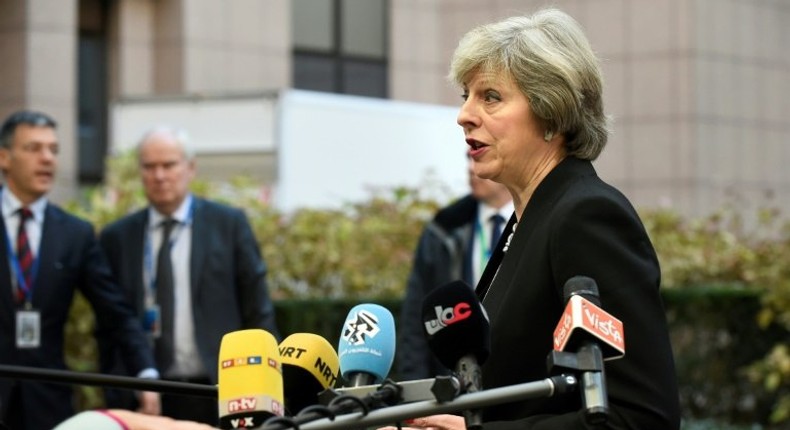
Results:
584 320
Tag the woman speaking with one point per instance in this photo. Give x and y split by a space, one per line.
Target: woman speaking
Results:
533 119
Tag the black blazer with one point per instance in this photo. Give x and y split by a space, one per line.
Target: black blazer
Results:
575 224
227 273
69 259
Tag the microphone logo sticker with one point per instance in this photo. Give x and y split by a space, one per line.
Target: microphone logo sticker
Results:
360 327
243 404
582 319
608 328
242 361
447 316
243 422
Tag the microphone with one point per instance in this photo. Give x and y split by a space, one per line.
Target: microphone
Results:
367 345
310 365
250 379
584 320
457 329
594 335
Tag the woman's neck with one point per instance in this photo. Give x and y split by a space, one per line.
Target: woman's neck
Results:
522 195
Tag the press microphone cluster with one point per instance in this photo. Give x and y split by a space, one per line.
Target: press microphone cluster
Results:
457 329
310 365
458 334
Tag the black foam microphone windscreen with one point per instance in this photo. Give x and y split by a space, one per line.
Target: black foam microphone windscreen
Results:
456 324
581 286
310 365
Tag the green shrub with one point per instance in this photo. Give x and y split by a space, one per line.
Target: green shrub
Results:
720 249
715 425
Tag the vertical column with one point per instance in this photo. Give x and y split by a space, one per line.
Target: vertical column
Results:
131 53
13 37
169 47
38 41
51 85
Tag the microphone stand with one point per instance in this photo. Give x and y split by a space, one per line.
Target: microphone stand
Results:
103 380
332 404
588 360
360 420
441 388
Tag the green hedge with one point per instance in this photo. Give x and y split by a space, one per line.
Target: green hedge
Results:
715 338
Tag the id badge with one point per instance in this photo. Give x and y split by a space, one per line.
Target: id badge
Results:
152 321
28 329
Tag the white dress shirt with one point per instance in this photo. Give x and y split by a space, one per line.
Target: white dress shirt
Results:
10 205
482 235
186 361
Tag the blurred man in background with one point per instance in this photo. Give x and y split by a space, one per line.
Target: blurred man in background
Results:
455 245
193 270
49 254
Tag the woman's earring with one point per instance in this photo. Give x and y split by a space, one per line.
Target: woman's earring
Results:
548 135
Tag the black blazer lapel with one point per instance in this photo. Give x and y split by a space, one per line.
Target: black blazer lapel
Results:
7 294
540 204
493 265
198 253
138 235
53 235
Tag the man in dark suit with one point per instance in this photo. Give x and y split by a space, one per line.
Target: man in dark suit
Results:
48 254
455 245
214 272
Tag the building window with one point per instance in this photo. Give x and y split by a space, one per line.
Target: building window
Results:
92 90
340 46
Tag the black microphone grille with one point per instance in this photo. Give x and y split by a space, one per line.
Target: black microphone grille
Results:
581 286
455 323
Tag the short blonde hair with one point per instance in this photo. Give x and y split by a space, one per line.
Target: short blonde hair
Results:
553 64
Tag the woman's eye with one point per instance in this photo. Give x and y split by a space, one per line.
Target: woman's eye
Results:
492 97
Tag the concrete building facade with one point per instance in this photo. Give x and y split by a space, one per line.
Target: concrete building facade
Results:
699 90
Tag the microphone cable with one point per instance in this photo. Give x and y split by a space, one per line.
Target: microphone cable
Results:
388 394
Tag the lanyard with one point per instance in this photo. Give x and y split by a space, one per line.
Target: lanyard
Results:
20 277
148 260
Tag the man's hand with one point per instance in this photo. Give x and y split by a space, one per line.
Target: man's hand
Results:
150 403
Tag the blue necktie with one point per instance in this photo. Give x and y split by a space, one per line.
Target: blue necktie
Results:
497 221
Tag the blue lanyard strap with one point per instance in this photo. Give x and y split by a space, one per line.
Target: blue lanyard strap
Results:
485 251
